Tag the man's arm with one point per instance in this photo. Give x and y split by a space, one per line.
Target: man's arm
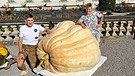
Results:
20 54
20 44
100 21
82 24
47 31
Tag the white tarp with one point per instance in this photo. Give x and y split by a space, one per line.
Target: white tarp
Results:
81 73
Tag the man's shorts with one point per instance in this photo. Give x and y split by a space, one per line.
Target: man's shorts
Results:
30 51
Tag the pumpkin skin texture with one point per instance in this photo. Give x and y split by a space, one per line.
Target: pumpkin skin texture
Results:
3 50
70 48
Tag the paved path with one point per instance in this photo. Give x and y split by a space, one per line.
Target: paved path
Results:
120 53
13 71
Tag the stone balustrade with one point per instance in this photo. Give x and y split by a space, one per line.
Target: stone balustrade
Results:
117 28
9 31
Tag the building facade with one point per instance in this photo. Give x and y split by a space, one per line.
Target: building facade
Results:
18 3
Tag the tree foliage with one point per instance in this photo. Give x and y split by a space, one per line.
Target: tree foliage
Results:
105 5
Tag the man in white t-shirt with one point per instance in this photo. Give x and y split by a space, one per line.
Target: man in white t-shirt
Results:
27 43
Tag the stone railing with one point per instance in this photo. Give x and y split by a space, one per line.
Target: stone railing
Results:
110 27
9 31
118 27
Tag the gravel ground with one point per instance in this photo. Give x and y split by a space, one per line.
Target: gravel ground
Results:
120 52
121 57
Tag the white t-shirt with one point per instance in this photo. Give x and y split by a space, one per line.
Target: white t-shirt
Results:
30 34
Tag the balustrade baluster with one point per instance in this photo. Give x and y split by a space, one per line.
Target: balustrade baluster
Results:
6 35
115 28
108 29
118 27
125 25
122 28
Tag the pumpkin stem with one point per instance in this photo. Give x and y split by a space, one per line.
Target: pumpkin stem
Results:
45 57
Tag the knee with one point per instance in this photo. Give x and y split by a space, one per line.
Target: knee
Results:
19 64
33 65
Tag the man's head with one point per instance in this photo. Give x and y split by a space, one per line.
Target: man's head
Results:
29 19
88 8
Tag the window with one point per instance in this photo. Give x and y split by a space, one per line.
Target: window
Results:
80 0
11 0
29 0
63 0
46 1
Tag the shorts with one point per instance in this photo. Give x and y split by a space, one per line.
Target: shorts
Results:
30 51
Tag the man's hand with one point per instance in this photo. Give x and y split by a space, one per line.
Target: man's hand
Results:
20 57
83 26
99 25
48 31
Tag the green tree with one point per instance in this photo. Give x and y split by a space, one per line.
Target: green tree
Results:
106 5
63 8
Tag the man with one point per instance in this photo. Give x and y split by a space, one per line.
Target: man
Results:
92 20
27 43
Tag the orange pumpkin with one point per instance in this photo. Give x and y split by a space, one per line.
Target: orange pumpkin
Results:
3 50
2 45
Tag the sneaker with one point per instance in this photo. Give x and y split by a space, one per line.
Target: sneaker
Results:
24 73
8 66
37 70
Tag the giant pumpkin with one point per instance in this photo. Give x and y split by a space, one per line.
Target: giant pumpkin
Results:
3 50
3 53
68 48
2 60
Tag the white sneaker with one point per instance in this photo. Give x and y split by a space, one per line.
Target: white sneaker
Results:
37 70
24 73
